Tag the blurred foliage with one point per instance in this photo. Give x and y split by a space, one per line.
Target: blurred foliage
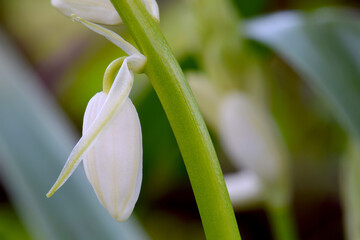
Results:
38 27
10 226
317 46
322 47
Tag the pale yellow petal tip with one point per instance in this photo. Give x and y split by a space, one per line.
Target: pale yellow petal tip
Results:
56 186
51 192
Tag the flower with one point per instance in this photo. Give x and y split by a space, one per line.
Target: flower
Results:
111 144
99 11
252 141
248 137
113 164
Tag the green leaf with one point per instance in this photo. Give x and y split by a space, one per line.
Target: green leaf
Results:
35 140
324 48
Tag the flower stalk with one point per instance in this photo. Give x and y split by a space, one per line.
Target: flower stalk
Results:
186 121
282 222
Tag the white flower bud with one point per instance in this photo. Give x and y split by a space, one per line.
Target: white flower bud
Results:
249 137
111 147
251 140
99 11
113 164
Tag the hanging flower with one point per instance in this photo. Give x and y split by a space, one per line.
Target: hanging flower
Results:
251 140
247 136
113 164
111 144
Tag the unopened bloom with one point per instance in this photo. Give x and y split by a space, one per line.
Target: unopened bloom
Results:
111 144
113 164
251 140
248 136
99 11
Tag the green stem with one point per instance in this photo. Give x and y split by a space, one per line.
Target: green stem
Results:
350 178
186 121
282 223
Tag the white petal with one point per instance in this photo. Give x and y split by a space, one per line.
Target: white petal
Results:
112 105
99 11
136 60
113 164
108 34
249 137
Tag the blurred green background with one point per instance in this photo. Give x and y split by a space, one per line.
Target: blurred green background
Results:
51 67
